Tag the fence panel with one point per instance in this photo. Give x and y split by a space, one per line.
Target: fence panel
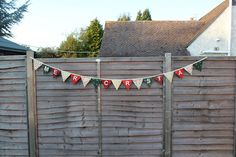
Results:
76 121
13 113
132 120
67 114
203 109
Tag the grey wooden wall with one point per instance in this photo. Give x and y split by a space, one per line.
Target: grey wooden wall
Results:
68 116
75 121
204 109
13 114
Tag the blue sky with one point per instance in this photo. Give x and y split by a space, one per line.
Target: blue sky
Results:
48 22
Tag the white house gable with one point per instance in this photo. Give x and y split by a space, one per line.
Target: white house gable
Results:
214 39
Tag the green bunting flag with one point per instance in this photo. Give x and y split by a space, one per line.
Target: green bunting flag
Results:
46 69
96 82
198 65
148 81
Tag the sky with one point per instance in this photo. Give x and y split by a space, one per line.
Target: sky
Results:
48 22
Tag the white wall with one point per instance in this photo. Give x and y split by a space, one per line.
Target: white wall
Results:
233 33
207 41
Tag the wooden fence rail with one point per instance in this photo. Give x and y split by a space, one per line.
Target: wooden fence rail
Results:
192 117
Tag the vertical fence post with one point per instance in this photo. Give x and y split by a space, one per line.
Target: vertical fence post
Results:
31 106
234 111
99 109
167 127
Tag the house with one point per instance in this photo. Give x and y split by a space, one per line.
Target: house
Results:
8 47
210 35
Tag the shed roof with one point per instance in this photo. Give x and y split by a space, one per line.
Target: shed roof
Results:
7 45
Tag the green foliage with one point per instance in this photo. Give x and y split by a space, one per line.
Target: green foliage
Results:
47 52
124 17
10 14
145 16
84 44
69 47
93 36
139 16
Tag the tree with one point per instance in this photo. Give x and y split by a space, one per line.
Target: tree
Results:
146 15
69 47
91 38
124 17
84 44
47 52
10 14
139 16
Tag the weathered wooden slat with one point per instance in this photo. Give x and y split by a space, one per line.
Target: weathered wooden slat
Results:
202 147
203 134
209 153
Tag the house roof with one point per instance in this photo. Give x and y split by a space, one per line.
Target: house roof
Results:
154 38
7 45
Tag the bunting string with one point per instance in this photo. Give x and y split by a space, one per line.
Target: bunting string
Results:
106 82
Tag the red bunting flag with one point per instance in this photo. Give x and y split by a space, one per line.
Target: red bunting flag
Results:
180 73
56 72
74 78
106 83
127 83
159 79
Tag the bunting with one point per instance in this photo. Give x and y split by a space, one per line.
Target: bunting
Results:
180 73
85 80
159 79
169 76
148 81
116 83
46 69
138 82
56 72
96 82
106 83
37 64
65 75
127 83
74 78
198 65
189 69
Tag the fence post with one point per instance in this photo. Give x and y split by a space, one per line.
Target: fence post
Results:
234 113
31 106
99 109
167 91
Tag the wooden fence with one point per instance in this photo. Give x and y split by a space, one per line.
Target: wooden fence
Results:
192 117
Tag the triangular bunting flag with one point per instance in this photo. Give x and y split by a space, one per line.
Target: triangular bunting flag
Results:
169 76
85 80
138 82
46 69
106 83
96 82
189 69
74 78
198 65
159 79
56 72
127 83
116 83
37 64
148 81
65 75
180 73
